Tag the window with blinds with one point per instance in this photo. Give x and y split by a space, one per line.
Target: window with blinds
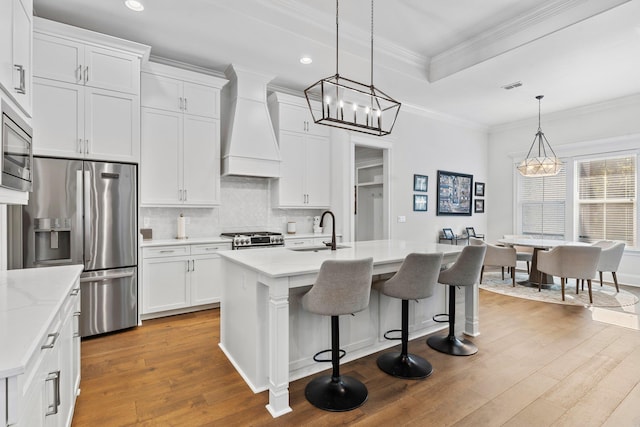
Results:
542 205
606 199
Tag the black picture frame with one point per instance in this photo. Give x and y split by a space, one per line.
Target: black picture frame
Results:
478 206
420 202
420 182
479 189
448 234
454 193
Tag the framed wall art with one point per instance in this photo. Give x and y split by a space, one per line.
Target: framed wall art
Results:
420 182
420 202
454 193
478 206
479 191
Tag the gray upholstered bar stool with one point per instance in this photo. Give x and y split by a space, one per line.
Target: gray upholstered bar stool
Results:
465 272
415 280
342 287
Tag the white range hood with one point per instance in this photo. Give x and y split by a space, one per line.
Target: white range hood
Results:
249 145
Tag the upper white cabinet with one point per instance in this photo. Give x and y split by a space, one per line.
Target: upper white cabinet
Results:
16 23
180 161
86 94
305 150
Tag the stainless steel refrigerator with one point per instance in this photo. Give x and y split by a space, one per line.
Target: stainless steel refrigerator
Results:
85 212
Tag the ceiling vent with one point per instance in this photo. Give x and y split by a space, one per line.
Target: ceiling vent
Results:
512 85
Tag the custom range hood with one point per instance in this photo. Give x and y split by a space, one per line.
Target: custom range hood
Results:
249 146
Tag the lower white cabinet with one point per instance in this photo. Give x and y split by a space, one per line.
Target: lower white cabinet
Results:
180 277
47 390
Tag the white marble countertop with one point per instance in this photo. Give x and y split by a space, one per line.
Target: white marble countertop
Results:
282 262
29 300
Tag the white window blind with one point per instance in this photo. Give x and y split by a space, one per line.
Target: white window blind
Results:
607 199
542 205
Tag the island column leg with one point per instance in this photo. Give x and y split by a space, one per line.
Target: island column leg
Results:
278 348
472 319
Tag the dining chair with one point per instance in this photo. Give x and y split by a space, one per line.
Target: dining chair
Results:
610 258
523 253
497 256
567 261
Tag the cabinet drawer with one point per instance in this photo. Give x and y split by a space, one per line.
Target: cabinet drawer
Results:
165 251
209 248
293 243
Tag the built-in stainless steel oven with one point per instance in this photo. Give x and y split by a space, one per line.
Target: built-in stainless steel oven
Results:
255 239
17 154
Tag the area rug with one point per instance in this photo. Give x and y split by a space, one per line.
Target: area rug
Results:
605 296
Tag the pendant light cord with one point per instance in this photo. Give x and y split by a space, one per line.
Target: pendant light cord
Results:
337 30
371 43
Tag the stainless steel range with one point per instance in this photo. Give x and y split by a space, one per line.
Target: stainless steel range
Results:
255 239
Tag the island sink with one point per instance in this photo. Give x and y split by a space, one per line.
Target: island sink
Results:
316 248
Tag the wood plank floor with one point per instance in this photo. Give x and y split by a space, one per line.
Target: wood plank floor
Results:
539 364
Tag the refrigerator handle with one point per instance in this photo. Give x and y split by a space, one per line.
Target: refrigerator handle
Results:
77 248
87 218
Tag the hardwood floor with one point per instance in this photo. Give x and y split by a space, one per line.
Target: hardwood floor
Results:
539 364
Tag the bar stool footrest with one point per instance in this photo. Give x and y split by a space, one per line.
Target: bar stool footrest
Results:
316 359
390 331
435 318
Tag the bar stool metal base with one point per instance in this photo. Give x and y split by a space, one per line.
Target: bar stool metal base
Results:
452 345
339 394
407 366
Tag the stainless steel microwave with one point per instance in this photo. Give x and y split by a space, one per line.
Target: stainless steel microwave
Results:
17 151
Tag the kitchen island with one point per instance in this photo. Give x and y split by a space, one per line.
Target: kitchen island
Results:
271 340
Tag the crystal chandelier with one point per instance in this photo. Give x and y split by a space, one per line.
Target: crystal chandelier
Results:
348 104
546 163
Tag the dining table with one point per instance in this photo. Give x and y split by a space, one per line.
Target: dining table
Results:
537 245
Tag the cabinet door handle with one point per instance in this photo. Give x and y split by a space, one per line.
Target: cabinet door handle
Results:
79 145
212 249
186 108
76 333
193 265
180 196
74 292
20 88
166 251
181 104
86 74
52 409
188 269
79 74
54 338
185 195
86 146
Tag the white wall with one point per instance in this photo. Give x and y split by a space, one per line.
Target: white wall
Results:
596 127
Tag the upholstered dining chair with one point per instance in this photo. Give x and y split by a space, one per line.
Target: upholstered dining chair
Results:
567 261
610 257
497 256
523 253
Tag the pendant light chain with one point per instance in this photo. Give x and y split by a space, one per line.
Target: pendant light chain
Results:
337 30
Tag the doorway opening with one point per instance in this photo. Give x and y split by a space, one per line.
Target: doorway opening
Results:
370 196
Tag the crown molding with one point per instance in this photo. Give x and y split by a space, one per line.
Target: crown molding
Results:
548 18
625 101
441 117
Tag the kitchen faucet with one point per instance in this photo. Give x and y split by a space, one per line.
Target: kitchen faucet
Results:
333 229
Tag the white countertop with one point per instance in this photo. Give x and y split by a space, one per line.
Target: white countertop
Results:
29 301
282 262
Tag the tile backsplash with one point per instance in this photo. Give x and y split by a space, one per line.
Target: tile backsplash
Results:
245 205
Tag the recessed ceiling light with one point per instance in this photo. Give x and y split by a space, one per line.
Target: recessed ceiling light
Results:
134 5
306 60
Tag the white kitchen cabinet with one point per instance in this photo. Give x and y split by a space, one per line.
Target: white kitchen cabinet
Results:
306 241
80 122
180 277
305 169
180 159
16 23
73 61
50 384
86 94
